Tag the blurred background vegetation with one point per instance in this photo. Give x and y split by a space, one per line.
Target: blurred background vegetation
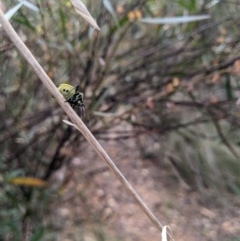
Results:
175 86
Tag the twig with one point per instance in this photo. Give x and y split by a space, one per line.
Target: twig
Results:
221 135
74 117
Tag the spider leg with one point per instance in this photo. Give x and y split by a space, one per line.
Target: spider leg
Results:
73 106
76 87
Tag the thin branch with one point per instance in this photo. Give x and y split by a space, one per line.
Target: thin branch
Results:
221 135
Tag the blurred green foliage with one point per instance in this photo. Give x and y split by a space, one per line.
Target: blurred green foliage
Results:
175 84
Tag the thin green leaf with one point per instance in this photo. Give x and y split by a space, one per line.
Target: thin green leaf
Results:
63 21
12 11
189 5
22 19
174 20
121 23
109 7
212 3
228 88
29 5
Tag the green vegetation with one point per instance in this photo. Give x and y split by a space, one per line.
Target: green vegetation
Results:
176 85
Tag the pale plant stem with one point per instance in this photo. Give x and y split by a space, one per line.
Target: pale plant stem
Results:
73 116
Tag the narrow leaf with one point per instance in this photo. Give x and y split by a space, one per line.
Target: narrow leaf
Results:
12 11
22 19
29 5
228 88
108 6
174 20
27 181
212 3
189 5
63 21
82 10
